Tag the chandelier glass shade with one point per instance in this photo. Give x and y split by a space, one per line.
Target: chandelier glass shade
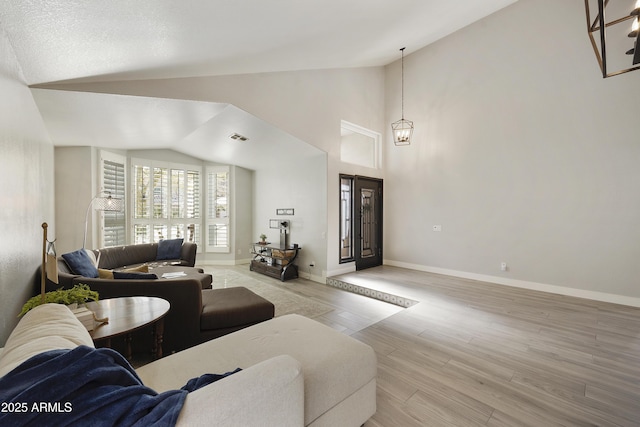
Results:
402 131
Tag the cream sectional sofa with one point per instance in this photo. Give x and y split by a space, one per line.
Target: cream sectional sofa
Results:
295 371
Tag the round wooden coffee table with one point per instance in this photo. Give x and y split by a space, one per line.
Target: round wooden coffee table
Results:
128 314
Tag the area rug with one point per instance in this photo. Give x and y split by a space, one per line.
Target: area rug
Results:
285 301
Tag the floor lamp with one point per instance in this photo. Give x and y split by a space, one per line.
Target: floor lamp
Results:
102 203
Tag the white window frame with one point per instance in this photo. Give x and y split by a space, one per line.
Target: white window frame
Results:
209 222
168 222
107 156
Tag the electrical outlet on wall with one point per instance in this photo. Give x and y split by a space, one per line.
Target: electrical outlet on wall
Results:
503 266
437 228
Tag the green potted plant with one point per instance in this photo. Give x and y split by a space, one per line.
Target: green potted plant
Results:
79 294
263 239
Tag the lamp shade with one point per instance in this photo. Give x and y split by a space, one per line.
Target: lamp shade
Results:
101 203
108 204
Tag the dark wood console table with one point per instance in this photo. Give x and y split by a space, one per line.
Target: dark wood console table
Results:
275 260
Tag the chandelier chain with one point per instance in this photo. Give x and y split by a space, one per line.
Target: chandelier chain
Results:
402 88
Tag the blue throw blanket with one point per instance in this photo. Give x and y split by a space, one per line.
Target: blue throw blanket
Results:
87 386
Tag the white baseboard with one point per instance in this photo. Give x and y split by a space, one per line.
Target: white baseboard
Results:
554 289
222 262
349 269
312 277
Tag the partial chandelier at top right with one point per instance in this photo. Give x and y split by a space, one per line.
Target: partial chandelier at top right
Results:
616 36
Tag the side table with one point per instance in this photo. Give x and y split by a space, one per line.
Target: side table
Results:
128 314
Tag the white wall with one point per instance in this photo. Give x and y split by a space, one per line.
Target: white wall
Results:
75 186
27 189
243 208
359 149
522 152
302 186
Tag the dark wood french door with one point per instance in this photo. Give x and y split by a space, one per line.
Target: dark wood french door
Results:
367 206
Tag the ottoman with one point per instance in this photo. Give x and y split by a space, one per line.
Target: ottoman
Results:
189 273
227 310
339 371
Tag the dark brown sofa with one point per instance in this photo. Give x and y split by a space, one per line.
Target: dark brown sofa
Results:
122 257
182 323
134 255
197 314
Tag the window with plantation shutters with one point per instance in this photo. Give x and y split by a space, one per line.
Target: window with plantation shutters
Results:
217 223
166 199
114 227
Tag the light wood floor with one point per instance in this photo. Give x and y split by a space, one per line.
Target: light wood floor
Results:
472 353
351 312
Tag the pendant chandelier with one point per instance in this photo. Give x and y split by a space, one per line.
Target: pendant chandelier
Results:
402 129
600 44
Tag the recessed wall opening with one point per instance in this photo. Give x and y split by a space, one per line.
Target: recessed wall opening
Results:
359 146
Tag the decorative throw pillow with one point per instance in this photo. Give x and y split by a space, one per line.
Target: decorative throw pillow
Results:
133 276
92 257
80 263
105 274
169 249
144 268
108 274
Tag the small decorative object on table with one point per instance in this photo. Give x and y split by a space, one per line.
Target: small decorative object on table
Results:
263 239
84 315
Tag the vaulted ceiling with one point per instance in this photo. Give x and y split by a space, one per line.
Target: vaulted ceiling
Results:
96 40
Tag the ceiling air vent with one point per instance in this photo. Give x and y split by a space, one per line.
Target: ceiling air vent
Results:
238 137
